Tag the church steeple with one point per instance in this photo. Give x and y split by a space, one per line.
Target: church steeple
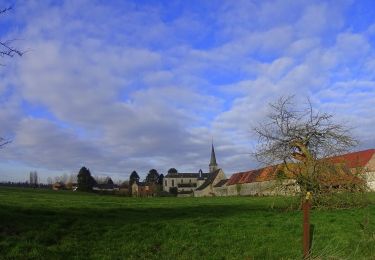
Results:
213 165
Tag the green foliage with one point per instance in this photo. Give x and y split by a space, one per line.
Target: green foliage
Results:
152 177
162 193
134 177
341 200
172 171
173 191
40 224
84 179
160 180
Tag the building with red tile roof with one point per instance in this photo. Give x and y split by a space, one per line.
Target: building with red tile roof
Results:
263 181
356 159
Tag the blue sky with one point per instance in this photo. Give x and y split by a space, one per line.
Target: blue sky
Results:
123 85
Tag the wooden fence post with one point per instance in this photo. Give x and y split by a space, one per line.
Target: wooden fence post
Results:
306 206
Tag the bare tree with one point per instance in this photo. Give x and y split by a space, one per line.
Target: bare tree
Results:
49 181
299 139
6 48
64 178
72 178
33 179
3 142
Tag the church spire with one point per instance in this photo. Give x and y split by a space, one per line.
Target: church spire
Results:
213 164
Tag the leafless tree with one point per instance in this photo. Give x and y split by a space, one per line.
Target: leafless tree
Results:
6 48
49 181
72 178
33 179
300 136
3 142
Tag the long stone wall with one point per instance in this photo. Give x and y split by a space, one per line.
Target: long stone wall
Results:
265 188
220 191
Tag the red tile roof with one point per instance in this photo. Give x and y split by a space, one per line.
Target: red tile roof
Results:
263 174
351 160
354 160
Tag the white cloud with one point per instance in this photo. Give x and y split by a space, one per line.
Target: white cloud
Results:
129 86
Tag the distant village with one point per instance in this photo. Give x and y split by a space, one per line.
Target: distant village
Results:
214 182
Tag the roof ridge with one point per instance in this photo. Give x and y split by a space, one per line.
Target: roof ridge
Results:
351 153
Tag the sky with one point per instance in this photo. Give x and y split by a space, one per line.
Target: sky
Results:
118 86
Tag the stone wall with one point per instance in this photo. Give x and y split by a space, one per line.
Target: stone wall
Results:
370 174
264 188
209 190
220 191
370 178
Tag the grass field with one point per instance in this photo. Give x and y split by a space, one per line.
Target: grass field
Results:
41 224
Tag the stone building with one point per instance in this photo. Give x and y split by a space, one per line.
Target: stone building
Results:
194 184
143 189
264 181
362 162
207 187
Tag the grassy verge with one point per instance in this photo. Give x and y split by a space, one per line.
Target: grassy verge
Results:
44 224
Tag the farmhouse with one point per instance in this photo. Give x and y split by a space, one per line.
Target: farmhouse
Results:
195 184
143 189
264 181
363 161
259 182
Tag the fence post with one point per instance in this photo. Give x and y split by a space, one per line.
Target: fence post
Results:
306 225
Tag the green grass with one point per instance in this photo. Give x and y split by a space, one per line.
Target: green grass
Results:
40 224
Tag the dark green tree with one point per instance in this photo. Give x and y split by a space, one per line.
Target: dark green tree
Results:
84 179
134 177
172 171
160 179
152 176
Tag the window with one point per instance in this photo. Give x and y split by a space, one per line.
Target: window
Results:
172 183
165 183
182 180
190 180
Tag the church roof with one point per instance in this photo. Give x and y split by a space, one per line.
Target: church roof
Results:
204 175
221 183
213 157
209 180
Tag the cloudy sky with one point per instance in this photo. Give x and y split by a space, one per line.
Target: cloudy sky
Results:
132 85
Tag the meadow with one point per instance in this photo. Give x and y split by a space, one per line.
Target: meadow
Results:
44 224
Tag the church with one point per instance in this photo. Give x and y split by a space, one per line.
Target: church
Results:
197 184
263 181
